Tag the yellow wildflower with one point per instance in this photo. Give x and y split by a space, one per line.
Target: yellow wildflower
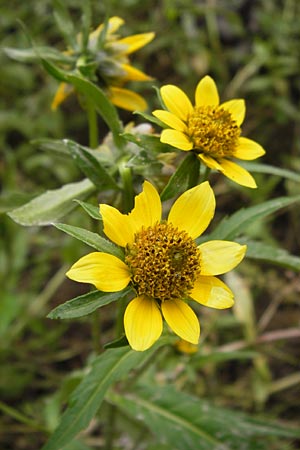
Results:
210 129
163 264
107 63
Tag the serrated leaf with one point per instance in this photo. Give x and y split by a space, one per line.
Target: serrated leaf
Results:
85 401
90 166
92 239
184 177
51 205
86 304
184 422
95 95
92 210
235 225
268 253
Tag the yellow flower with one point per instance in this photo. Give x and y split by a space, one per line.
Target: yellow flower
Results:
210 129
107 63
163 264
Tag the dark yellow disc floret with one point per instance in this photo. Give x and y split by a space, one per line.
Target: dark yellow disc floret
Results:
213 131
164 262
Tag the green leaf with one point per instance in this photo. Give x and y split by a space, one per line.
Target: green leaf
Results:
34 54
272 170
184 422
183 178
92 210
85 401
149 118
86 304
235 225
64 23
95 95
52 145
87 162
268 253
51 205
92 239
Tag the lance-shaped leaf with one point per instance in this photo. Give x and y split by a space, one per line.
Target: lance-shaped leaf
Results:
52 205
92 210
95 95
92 239
185 177
86 304
271 170
235 225
268 253
85 401
183 422
87 162
34 54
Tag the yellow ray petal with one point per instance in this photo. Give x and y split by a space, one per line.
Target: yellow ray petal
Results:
218 257
135 42
106 272
170 119
63 91
193 210
212 292
133 74
237 109
206 92
176 101
116 225
147 208
142 323
126 99
182 319
176 139
209 161
248 149
237 173
113 25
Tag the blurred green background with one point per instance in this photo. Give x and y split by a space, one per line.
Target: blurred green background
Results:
252 50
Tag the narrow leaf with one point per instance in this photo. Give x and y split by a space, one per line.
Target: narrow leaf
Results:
87 162
235 225
92 210
64 23
184 422
51 205
92 239
85 401
182 178
95 95
271 170
86 304
33 54
268 253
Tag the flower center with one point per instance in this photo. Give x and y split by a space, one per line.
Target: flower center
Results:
213 131
163 261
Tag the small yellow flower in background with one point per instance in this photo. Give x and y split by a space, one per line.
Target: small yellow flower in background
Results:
107 63
163 264
210 129
186 347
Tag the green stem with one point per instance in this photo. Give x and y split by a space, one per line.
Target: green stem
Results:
96 331
93 124
128 192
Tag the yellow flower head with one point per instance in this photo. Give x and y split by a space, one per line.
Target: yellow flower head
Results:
106 62
210 129
163 264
